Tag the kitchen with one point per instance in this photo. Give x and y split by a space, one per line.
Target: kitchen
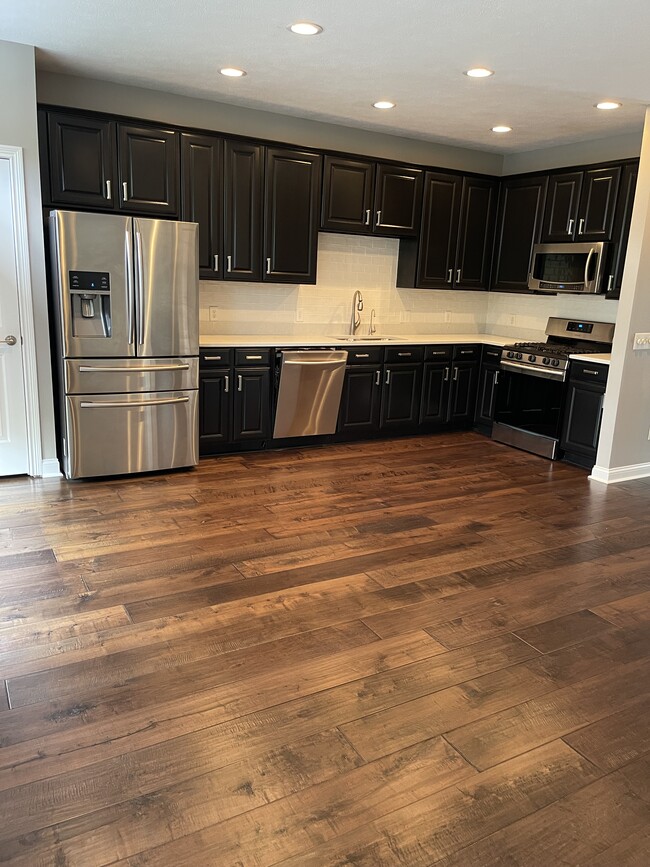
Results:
418 648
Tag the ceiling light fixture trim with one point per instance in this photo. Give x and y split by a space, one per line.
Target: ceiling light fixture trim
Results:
305 28
479 72
232 72
501 128
608 105
383 104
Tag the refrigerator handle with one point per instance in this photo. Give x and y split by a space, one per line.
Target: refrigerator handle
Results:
140 282
129 284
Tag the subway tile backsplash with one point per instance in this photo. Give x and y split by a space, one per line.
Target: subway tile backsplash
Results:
348 262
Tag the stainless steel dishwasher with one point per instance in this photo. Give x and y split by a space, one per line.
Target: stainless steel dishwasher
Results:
309 392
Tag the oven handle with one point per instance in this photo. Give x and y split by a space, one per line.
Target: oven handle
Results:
531 371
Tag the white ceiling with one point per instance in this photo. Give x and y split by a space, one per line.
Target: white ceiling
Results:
553 60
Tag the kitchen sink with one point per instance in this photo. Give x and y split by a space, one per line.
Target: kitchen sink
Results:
361 338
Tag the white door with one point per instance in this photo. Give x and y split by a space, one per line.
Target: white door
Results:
13 421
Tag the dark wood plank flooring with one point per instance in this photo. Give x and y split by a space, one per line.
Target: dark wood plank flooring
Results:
408 652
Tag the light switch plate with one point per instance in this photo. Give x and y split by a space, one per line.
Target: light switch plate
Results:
642 340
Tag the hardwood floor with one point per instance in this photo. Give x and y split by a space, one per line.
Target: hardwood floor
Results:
409 652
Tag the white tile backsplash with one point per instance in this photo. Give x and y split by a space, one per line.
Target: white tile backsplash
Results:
347 263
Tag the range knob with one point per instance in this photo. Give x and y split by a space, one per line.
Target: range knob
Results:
555 362
511 355
532 358
547 361
519 356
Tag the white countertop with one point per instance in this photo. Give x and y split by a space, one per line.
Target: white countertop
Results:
262 340
596 358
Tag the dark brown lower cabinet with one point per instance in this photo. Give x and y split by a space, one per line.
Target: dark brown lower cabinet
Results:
252 403
234 406
487 389
361 399
434 408
400 401
464 378
215 416
582 415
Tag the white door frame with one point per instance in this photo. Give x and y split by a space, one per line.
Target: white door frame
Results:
14 155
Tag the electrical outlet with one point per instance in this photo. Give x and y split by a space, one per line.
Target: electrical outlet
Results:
299 316
405 316
214 314
513 319
642 340
447 315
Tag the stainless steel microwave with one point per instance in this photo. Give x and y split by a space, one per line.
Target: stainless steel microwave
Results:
571 268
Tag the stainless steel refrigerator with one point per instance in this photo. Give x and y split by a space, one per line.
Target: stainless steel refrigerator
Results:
127 300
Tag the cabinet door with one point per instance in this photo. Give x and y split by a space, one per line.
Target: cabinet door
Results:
401 394
518 229
347 195
361 399
487 388
82 161
598 204
148 161
215 409
561 211
439 231
291 199
201 202
621 230
581 427
435 394
242 234
463 393
398 200
252 417
475 233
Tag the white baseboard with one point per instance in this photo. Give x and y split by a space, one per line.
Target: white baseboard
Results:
50 468
620 474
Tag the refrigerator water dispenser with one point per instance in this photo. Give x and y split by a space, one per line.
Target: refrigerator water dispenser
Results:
90 303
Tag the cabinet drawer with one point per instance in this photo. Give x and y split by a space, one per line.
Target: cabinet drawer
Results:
491 355
252 357
215 357
366 355
404 354
467 352
438 353
585 371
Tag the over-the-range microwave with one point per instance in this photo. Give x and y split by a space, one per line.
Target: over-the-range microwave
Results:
576 268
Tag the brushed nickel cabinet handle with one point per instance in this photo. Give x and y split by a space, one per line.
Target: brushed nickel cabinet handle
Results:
109 191
240 382
581 226
610 282
229 263
446 379
378 377
226 384
458 275
450 275
367 221
125 191
361 355
455 374
268 266
404 354
388 377
378 218
496 377
216 262
592 372
212 357
569 230
253 358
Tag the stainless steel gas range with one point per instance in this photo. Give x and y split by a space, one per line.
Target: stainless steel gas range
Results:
531 384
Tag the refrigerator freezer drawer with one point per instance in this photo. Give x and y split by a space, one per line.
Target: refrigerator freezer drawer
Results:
125 375
113 434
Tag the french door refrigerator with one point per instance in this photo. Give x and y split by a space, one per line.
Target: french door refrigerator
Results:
127 296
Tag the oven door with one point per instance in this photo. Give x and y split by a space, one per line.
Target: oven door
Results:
528 411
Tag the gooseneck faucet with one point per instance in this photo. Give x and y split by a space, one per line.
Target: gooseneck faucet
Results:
357 307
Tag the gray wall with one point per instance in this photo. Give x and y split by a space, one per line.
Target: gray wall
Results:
18 127
156 105
581 153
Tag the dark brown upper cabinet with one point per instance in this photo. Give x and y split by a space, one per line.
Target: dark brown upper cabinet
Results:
519 225
348 193
242 247
148 166
621 230
82 161
561 212
398 200
202 198
454 247
291 205
371 198
580 206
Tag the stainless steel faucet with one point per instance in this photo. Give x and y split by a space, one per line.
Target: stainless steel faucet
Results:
357 307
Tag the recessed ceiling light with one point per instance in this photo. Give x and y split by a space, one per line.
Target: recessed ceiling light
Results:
306 28
232 72
607 105
383 103
501 129
479 72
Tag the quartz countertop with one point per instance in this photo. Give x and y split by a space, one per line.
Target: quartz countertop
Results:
596 358
262 340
